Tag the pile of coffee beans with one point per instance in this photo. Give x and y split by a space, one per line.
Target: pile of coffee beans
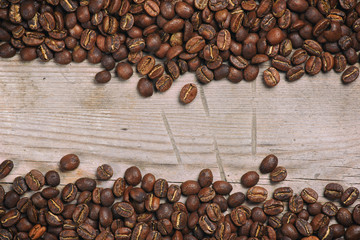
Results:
143 207
216 39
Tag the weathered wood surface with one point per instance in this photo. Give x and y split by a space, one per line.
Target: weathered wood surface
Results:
47 111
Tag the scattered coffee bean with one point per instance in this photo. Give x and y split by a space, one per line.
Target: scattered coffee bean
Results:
188 93
69 162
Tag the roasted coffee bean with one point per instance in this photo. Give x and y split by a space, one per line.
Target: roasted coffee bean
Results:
205 178
172 69
204 74
271 77
339 63
86 231
85 184
6 167
296 203
295 73
213 211
273 207
222 187
330 209
10 218
69 192
35 180
333 191
275 36
69 162
55 205
145 87
124 209
349 196
207 225
268 164
104 172
278 174
238 62
299 56
10 199
195 44
163 83
19 185
188 93
312 47
327 61
283 193
350 74
304 227
124 70
52 178
103 76
249 179
309 195
257 194
313 65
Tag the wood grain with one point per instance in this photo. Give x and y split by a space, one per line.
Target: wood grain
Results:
47 111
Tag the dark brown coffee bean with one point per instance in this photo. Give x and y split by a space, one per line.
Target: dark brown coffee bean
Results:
350 74
238 216
299 56
35 180
257 194
174 26
145 87
205 178
295 73
249 179
271 77
313 65
172 69
275 36
69 162
330 209
268 164
103 76
165 227
86 231
296 204
188 93
339 63
344 217
222 187
333 191
238 62
10 199
221 72
304 227
195 44
278 174
6 166
124 209
19 185
273 207
213 211
207 225
349 196
174 52
55 205
10 218
179 220
204 74
283 193
163 83
28 54
236 199
312 47
52 178
327 61
124 70
69 192
136 45
104 172
68 234
309 195
353 232
151 8
80 213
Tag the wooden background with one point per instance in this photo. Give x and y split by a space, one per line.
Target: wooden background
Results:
47 111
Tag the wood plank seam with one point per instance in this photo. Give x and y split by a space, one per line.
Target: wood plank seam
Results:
171 136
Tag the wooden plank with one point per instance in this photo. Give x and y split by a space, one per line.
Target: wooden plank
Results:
311 124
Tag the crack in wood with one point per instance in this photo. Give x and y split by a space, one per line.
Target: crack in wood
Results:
171 136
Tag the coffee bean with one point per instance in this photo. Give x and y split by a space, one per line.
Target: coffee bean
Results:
69 162
309 195
104 172
35 180
313 65
222 187
299 56
103 77
339 63
85 184
204 74
312 47
304 227
69 192
278 174
275 36
271 77
249 179
163 83
333 191
257 194
207 225
350 74
296 203
223 40
5 168
349 196
10 218
195 44
283 193
188 93
330 209
52 178
19 185
124 70
273 207
145 65
295 73
86 231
